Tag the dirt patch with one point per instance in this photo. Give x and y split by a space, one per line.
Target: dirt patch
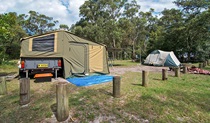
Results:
138 68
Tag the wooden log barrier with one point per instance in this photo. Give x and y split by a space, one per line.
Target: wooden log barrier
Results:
116 86
145 79
164 74
177 72
62 102
3 86
185 69
24 91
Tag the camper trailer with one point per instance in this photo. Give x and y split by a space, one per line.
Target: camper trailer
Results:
61 53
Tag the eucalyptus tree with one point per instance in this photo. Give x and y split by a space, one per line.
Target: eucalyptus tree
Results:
99 21
10 34
173 26
153 31
133 30
64 27
112 14
195 35
36 23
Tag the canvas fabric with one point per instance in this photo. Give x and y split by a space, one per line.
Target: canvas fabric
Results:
79 55
162 58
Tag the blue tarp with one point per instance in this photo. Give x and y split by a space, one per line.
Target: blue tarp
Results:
90 80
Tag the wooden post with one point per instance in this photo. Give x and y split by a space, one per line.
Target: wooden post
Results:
208 62
177 72
62 101
145 78
24 91
200 65
3 86
116 86
185 69
164 74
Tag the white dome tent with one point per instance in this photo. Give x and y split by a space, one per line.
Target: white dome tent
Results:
162 58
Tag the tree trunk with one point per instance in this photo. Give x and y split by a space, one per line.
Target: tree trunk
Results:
204 64
133 51
114 45
188 56
200 65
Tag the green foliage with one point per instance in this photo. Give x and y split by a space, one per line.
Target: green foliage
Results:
121 24
13 27
10 34
98 22
184 31
36 23
64 27
117 24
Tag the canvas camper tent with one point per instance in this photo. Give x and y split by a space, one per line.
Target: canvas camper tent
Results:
162 58
79 56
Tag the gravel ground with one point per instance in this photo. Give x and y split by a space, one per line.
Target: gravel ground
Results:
138 68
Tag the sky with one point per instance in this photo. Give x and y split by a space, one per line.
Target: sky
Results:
67 11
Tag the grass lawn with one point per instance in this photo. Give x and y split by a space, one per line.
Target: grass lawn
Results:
184 99
125 63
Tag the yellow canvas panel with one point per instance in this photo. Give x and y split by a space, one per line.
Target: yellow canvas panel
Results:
55 42
30 44
95 58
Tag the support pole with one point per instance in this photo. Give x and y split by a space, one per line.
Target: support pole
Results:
164 74
26 73
62 101
56 73
116 86
177 72
3 87
24 91
145 78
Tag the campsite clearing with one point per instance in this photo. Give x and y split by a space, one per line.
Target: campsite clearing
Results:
184 99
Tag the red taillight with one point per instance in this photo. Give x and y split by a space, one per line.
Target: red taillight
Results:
22 64
59 63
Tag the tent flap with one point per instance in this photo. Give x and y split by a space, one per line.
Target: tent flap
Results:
96 58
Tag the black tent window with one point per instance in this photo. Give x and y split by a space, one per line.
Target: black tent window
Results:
44 44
